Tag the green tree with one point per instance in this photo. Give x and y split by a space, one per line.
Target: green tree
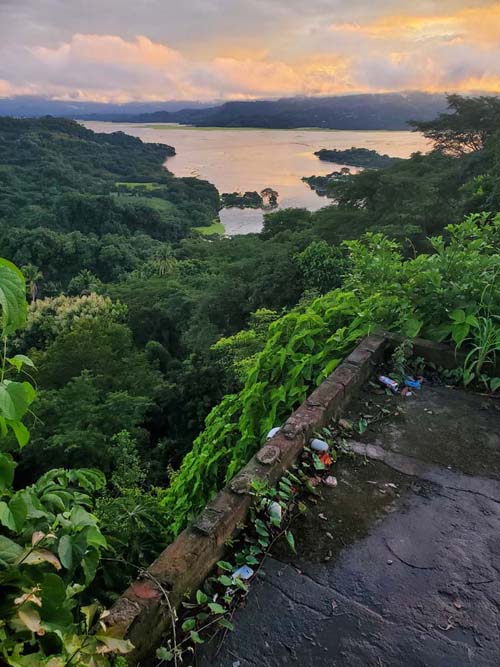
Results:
322 266
32 276
471 121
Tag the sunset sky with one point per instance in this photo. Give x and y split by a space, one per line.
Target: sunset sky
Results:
123 50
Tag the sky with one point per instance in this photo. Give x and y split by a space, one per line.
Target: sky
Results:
147 50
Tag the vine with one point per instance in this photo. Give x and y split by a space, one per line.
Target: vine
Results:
414 297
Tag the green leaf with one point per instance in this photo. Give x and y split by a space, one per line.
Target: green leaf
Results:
19 508
95 538
195 637
89 613
55 610
165 654
291 540
458 316
201 597
15 399
89 564
225 580
6 516
224 565
20 431
459 333
472 321
412 327
12 297
19 361
216 608
318 465
494 384
189 624
9 550
241 584
224 623
362 425
7 467
65 551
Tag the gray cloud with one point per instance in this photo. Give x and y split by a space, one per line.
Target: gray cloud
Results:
157 49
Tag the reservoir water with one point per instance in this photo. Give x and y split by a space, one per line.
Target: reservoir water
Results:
237 160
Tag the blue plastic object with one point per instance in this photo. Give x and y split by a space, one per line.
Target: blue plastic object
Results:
413 384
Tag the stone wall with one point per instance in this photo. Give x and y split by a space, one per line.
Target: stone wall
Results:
143 612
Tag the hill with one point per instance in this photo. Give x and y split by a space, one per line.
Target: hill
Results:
350 112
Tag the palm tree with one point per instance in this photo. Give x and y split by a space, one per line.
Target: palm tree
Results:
165 261
32 275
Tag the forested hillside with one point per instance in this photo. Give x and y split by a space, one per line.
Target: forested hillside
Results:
144 340
382 111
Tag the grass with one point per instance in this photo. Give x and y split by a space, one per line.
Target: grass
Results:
215 228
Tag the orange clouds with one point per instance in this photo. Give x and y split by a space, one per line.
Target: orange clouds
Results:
110 68
480 24
441 51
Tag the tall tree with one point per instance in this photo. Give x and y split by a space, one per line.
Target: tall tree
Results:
467 128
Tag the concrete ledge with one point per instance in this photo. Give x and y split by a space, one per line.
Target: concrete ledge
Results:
141 614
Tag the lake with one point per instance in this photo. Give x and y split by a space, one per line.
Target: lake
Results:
236 160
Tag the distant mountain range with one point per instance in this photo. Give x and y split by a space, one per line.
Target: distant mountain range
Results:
387 111
27 106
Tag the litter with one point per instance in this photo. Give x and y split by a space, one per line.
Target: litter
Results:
244 572
326 459
406 392
330 481
273 432
275 510
319 445
413 384
322 517
389 383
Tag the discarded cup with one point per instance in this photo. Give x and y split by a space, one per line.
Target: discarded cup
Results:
273 432
319 445
389 383
244 572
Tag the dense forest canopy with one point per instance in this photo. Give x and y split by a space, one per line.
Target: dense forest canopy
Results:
160 357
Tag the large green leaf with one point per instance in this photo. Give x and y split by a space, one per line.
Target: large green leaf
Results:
15 399
65 551
6 518
9 550
12 297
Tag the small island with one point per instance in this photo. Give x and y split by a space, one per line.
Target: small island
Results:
267 199
357 157
320 184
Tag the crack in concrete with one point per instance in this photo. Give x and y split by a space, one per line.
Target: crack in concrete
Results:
346 600
405 562
295 601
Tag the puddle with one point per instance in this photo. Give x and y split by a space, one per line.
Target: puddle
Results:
366 492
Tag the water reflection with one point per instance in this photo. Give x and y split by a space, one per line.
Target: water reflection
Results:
252 159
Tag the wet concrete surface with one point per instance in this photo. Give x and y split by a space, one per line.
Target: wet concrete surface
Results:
402 568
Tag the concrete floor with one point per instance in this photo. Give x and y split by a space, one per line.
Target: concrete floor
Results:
402 569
